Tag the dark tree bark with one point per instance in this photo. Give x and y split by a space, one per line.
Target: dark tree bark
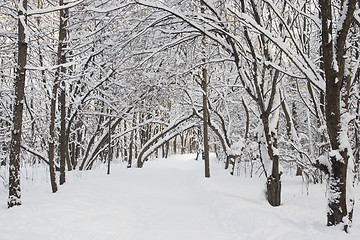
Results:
273 184
125 146
334 50
247 126
174 145
109 147
63 142
130 151
15 145
166 150
183 143
205 125
62 96
51 152
357 145
204 84
132 142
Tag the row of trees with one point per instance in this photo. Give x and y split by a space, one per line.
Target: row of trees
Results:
275 83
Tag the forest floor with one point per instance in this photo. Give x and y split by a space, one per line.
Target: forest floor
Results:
169 199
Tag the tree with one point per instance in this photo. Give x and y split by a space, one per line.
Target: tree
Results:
60 82
337 82
336 22
19 85
204 86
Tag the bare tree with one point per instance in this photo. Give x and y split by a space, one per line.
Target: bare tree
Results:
335 39
60 75
15 146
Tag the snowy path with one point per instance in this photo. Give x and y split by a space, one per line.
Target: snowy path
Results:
168 200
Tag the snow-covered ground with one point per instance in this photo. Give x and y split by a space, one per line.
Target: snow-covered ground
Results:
168 199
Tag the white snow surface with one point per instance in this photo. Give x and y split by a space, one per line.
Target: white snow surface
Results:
168 199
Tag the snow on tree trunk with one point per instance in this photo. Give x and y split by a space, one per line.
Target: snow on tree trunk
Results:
269 148
340 199
51 152
15 145
341 179
61 59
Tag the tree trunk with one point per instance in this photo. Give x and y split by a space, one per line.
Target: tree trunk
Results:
124 146
132 142
273 184
51 152
205 125
14 175
167 146
273 187
61 59
78 144
247 126
174 144
130 151
109 148
227 162
183 143
337 201
340 205
205 107
357 154
63 142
